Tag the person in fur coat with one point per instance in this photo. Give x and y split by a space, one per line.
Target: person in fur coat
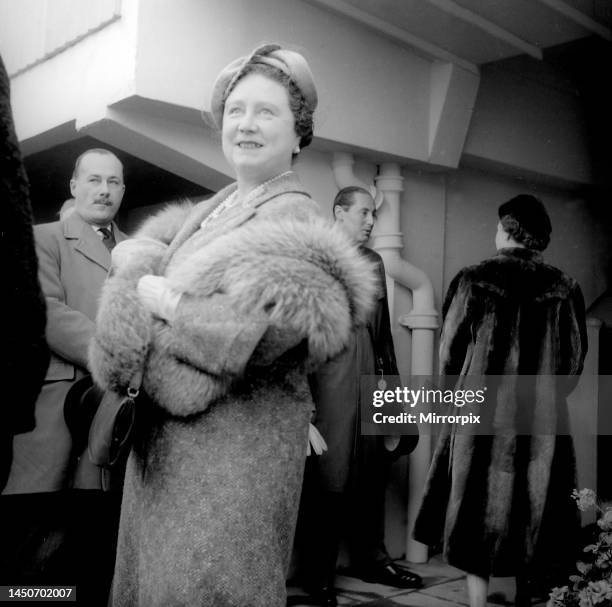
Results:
226 306
501 502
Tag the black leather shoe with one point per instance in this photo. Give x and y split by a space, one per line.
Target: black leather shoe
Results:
323 596
390 575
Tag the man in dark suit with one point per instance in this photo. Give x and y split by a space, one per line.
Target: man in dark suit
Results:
53 491
344 487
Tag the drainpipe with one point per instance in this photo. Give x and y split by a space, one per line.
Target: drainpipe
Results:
342 166
422 320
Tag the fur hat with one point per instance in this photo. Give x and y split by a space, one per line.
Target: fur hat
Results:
524 217
291 63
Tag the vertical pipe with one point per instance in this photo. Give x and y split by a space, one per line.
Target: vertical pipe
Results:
423 322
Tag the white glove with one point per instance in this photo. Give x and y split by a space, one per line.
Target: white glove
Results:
316 441
158 297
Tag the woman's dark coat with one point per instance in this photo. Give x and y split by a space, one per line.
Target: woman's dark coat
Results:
213 481
502 502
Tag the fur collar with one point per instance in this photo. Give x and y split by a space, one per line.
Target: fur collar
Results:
519 273
521 253
288 183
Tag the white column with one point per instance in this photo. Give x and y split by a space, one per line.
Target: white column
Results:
422 321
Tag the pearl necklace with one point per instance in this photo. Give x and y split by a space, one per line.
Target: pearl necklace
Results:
232 199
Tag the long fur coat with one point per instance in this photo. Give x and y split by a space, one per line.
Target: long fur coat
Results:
213 481
501 501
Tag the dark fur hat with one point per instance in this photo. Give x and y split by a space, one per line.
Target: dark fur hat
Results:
524 217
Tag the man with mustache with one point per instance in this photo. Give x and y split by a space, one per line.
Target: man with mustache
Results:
61 523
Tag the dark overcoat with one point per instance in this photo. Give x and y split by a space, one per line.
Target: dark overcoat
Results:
72 267
26 354
336 393
503 501
213 481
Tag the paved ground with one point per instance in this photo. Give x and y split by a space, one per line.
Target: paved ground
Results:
444 587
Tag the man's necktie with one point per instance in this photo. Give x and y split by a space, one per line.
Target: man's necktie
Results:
107 238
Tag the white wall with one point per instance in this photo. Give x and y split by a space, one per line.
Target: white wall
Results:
377 98
579 243
373 94
530 117
314 169
32 30
77 84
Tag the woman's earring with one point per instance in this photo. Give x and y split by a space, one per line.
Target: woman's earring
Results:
296 150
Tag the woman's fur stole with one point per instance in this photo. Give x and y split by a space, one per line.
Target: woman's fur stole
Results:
249 296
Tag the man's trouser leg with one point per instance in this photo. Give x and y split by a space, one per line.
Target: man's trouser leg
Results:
319 532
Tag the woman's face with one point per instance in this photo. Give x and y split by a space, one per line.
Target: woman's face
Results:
259 128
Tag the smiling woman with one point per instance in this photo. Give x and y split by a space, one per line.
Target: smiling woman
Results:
258 133
226 306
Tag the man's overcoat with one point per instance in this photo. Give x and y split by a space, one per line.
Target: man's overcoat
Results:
73 264
336 391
